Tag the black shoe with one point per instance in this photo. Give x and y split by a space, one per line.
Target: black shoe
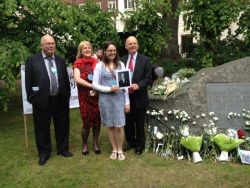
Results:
85 152
139 150
127 148
43 160
98 151
66 154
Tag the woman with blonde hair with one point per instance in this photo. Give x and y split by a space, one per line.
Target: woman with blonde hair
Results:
113 102
88 99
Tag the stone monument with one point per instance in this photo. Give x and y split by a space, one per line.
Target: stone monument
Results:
221 89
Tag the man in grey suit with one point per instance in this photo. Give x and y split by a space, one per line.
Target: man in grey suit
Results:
140 66
48 90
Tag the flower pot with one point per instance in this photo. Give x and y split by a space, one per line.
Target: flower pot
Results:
196 157
223 156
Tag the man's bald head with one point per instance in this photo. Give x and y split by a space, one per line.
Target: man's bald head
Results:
131 45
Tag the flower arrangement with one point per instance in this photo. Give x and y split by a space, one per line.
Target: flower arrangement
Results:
171 85
192 143
172 134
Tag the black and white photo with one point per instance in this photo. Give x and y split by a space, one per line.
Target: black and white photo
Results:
123 80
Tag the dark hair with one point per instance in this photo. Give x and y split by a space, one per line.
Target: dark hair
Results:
105 59
98 49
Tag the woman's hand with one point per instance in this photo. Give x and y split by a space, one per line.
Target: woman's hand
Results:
114 88
127 108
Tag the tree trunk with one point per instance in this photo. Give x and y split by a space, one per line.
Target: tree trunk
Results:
172 51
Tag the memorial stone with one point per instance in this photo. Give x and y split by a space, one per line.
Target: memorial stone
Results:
221 89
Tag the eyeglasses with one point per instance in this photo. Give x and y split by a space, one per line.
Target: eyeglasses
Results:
50 44
109 51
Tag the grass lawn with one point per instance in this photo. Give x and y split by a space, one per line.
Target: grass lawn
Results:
19 167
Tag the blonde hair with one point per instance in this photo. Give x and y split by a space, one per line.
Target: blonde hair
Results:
79 52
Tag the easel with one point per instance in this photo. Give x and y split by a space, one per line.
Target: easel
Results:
25 131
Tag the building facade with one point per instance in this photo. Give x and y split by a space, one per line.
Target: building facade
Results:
127 5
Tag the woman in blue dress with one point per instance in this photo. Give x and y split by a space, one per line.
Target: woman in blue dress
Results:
113 101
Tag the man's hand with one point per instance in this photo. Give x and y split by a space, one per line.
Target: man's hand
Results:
134 87
127 108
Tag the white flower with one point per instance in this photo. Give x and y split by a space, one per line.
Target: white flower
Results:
248 123
185 131
177 117
235 114
203 115
165 118
243 115
215 118
204 125
244 110
214 130
161 112
194 123
159 135
228 117
172 127
202 74
197 116
169 112
148 112
184 119
230 113
211 113
238 115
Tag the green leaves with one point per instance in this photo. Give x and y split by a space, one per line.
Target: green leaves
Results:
24 22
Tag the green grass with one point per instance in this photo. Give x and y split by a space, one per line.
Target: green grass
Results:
19 167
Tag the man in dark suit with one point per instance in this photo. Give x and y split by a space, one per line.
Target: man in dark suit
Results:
140 65
48 90
123 81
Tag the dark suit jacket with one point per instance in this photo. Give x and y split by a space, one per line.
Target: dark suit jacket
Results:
36 75
142 77
125 83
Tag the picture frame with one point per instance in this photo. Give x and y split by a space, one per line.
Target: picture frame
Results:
123 78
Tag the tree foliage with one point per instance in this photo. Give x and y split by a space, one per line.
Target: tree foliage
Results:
208 18
24 22
151 29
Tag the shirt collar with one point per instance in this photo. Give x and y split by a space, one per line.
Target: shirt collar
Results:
44 56
134 56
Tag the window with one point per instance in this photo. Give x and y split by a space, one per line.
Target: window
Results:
129 4
99 4
111 4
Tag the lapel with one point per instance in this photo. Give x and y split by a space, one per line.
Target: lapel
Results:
137 63
42 65
57 66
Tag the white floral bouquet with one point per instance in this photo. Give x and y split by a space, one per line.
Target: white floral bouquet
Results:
226 143
192 143
169 86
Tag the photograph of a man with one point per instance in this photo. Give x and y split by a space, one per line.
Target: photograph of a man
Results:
123 78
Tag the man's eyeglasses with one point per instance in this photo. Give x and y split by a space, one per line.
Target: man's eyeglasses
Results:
49 44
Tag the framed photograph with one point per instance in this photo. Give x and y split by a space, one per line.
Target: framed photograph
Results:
123 78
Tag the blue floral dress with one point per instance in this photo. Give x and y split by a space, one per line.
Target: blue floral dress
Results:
111 104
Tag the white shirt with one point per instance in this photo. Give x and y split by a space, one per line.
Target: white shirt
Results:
106 89
134 60
46 61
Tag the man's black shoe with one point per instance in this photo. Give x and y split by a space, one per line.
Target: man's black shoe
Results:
43 160
66 154
139 150
127 148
